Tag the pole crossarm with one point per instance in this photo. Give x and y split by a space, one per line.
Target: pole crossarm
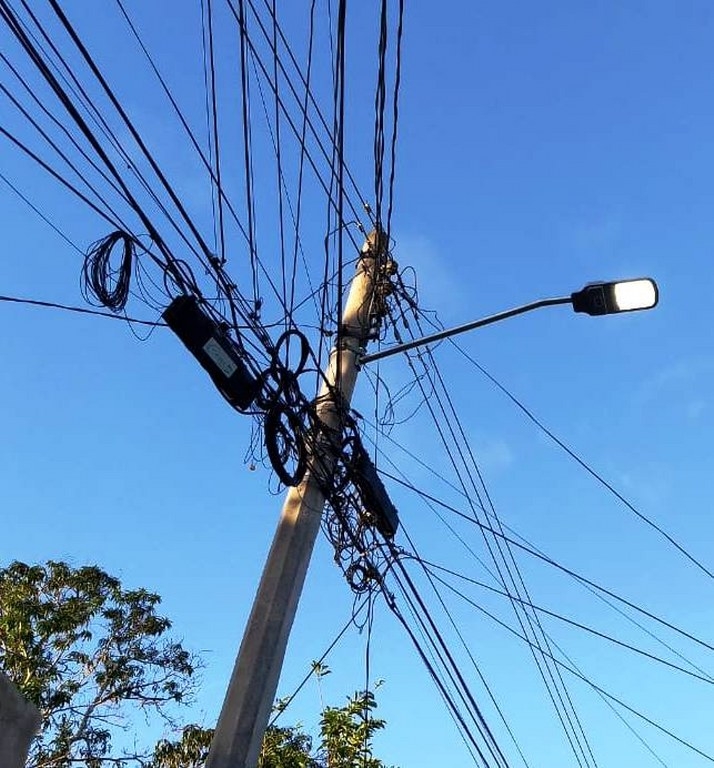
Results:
439 335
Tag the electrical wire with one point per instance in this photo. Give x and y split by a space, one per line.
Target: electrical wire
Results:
80 310
553 614
554 563
44 218
506 568
585 465
429 500
285 703
575 673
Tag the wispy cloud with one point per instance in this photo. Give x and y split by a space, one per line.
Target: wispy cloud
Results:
493 454
436 279
687 378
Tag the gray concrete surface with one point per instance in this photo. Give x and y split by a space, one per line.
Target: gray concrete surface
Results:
19 721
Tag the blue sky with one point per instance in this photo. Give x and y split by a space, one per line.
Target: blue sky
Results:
540 147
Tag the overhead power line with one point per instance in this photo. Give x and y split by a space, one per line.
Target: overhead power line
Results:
585 465
81 310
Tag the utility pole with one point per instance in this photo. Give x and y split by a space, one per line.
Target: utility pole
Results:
244 716
19 721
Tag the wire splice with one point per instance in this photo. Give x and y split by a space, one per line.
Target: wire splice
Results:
214 349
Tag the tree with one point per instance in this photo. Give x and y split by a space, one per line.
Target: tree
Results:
88 653
283 747
346 733
345 741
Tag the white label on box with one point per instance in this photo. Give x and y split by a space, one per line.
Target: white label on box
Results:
216 352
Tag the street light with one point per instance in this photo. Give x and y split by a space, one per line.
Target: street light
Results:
593 299
622 296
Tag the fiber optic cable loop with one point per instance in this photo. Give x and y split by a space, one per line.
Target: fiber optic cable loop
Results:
343 469
288 415
109 285
285 444
362 575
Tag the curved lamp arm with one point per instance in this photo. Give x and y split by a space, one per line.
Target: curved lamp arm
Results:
593 299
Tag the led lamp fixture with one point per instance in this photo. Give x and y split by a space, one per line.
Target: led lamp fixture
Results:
214 349
621 296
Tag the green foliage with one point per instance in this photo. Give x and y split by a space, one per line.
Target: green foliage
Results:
283 747
286 747
190 751
90 653
87 653
346 733
345 742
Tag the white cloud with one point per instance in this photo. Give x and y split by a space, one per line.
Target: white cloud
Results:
437 281
493 455
679 377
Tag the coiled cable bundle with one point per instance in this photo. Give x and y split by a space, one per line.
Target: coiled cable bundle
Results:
102 281
288 416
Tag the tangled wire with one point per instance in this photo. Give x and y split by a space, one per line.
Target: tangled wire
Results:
289 417
102 281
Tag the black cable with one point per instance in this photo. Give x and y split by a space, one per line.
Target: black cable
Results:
207 163
44 218
99 279
543 668
22 38
247 153
24 148
33 48
402 479
288 318
291 88
178 274
279 165
550 561
380 102
23 83
303 133
511 567
606 701
537 623
58 150
216 142
339 158
443 689
69 28
286 702
395 117
465 645
531 416
366 715
443 650
80 310
615 711
230 288
559 617
221 196
601 690
356 211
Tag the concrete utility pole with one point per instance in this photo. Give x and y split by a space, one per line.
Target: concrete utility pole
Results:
19 721
251 692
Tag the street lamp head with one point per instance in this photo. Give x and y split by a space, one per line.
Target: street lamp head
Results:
620 296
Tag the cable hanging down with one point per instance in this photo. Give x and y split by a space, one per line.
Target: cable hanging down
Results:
109 285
